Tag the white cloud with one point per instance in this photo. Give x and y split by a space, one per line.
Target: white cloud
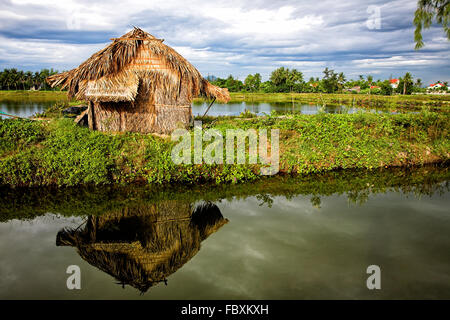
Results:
11 15
29 53
396 61
268 23
223 37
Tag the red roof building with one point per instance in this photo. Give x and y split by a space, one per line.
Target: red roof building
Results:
394 83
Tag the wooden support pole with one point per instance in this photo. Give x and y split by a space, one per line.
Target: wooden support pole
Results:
209 106
91 115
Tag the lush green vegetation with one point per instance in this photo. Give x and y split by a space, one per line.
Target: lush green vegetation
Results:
13 79
281 80
426 12
60 153
33 96
327 142
292 80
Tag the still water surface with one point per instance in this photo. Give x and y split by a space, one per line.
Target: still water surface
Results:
234 109
23 109
30 108
282 238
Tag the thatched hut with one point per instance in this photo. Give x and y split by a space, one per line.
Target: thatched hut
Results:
138 84
142 245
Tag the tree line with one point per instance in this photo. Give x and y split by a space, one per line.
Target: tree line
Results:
291 80
13 79
281 80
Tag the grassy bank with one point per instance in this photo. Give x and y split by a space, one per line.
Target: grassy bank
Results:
34 153
33 96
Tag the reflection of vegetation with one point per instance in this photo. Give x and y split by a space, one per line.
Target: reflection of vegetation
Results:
357 185
142 245
265 199
315 201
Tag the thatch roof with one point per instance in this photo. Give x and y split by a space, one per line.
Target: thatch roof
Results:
114 73
141 246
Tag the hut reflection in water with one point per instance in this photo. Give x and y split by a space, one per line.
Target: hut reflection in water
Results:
141 246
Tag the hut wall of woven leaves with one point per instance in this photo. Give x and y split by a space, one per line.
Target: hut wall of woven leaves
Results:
138 84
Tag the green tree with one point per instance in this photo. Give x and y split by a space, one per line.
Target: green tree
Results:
341 81
253 82
386 88
406 84
426 12
266 86
279 77
369 81
418 86
233 85
294 80
24 80
312 85
330 81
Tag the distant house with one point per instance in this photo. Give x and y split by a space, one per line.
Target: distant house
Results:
436 86
374 87
394 83
357 89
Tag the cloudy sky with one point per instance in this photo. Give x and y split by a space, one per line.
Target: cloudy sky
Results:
230 37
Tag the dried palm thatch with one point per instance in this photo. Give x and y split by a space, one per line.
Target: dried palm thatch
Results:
142 246
142 75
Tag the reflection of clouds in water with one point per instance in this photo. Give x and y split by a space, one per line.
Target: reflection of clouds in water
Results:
252 206
252 252
38 225
322 253
30 266
300 204
26 109
433 208
283 252
234 109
